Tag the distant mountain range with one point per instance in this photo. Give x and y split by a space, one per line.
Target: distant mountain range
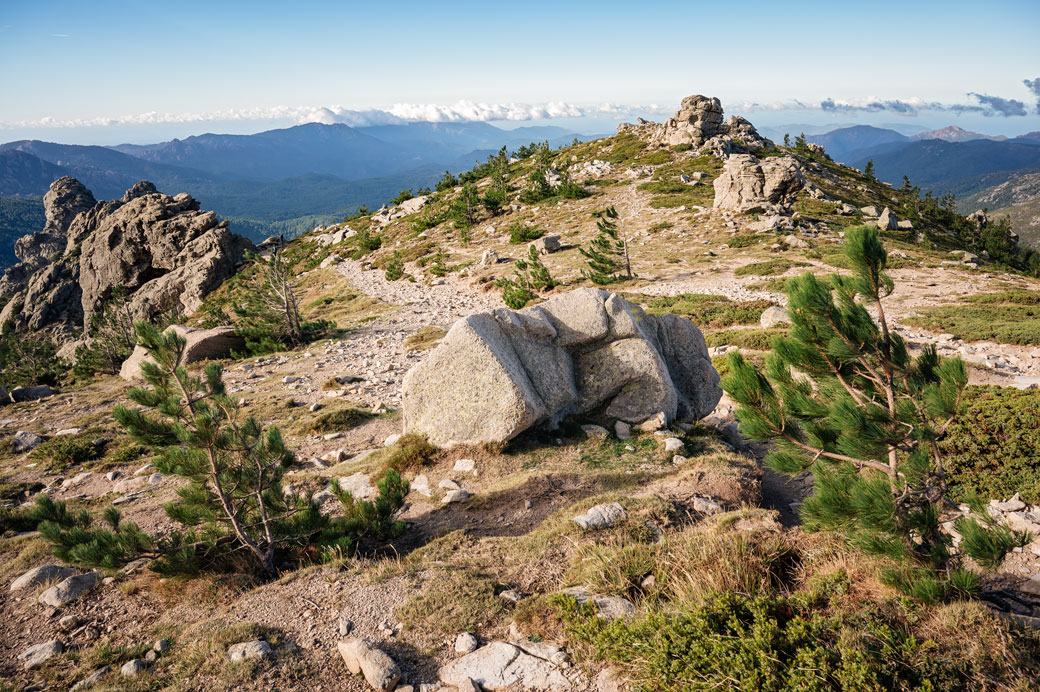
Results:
279 181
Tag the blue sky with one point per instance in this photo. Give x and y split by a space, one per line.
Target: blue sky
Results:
103 71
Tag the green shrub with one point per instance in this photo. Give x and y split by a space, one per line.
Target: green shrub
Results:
411 452
340 419
992 449
754 339
767 268
1006 324
745 240
364 243
710 311
395 268
67 449
520 233
811 641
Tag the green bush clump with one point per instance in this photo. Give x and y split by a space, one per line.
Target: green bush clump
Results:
992 449
340 419
67 449
806 641
520 233
754 339
745 240
1003 323
767 268
710 311
411 452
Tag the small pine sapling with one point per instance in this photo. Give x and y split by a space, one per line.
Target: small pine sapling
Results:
607 254
841 396
233 508
395 267
530 275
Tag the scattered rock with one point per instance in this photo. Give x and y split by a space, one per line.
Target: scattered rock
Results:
380 671
794 241
91 679
887 221
69 590
391 440
601 516
41 653
489 258
547 244
464 465
455 496
358 486
421 485
465 643
622 429
674 444
706 505
247 650
595 431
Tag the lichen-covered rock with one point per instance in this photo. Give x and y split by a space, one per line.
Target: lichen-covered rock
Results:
497 373
698 119
500 666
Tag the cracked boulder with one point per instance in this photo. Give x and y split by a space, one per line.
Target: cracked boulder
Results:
500 666
498 373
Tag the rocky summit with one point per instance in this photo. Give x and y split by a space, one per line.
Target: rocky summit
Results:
164 251
498 373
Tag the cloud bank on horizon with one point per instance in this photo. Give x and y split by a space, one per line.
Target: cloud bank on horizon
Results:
470 111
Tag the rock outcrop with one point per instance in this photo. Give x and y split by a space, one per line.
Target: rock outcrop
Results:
748 184
699 123
165 251
497 373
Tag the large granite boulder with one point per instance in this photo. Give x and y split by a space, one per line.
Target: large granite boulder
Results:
200 344
497 373
748 184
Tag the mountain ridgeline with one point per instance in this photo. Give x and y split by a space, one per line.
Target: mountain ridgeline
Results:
279 181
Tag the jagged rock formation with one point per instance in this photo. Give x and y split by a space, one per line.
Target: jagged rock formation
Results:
165 251
498 373
748 184
65 199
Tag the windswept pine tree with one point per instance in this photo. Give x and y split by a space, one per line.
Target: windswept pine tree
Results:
842 396
607 254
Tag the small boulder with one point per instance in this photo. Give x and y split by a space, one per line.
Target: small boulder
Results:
133 667
201 344
547 244
489 258
90 680
24 441
774 316
887 221
380 671
674 444
464 466
595 431
607 607
247 650
38 655
20 394
69 590
465 643
41 575
601 516
455 496
622 429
